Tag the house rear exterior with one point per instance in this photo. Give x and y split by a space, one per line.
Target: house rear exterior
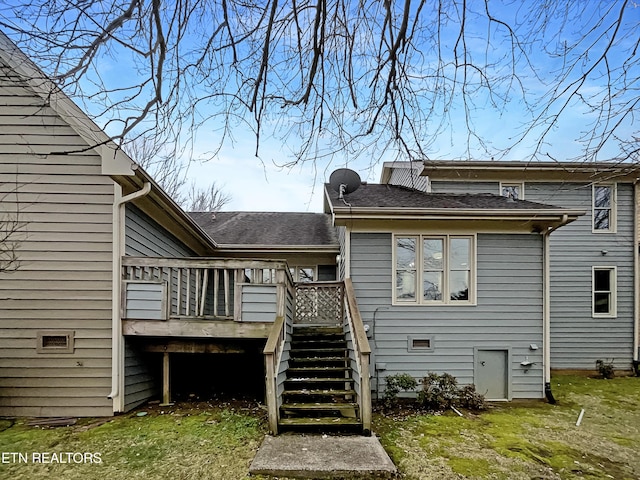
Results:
594 260
451 283
116 281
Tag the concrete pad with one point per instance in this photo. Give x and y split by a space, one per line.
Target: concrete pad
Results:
322 456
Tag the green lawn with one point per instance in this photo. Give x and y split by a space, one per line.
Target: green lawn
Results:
532 440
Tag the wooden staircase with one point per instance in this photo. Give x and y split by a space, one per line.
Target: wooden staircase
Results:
319 388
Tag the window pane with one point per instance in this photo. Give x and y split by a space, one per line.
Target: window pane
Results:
432 253
459 285
405 285
511 191
306 274
602 303
602 280
406 253
602 197
432 286
601 219
459 254
326 273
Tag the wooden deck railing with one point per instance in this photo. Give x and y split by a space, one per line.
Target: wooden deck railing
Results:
360 354
198 287
272 358
319 303
276 353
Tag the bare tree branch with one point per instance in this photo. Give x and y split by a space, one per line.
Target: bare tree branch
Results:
12 227
211 199
333 78
172 175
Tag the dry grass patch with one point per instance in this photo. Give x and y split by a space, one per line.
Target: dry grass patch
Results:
521 440
198 442
532 440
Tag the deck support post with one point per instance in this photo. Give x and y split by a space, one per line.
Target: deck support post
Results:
166 385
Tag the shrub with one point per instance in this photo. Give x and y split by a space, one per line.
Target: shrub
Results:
440 392
471 399
605 369
397 383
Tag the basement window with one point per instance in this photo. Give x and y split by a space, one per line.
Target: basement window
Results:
58 341
420 344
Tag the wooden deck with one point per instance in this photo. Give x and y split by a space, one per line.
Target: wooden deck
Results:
196 328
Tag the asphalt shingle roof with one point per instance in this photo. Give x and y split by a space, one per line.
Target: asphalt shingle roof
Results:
267 228
393 196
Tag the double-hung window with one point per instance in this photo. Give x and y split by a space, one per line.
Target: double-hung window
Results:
604 292
604 214
434 269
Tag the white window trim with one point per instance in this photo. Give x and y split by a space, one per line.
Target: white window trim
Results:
297 268
614 202
614 292
507 184
446 302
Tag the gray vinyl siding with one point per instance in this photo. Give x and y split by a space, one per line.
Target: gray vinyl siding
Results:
145 238
145 300
64 280
143 377
409 177
508 313
466 187
259 303
578 339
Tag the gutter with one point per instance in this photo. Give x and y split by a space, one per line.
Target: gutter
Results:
636 275
341 215
546 309
116 284
264 248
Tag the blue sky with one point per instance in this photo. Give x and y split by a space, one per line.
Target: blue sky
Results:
262 184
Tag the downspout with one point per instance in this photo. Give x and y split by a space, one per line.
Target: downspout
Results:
546 308
118 251
636 276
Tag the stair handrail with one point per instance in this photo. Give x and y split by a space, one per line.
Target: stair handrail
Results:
362 351
272 353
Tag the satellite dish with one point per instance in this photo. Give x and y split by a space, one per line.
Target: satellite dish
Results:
344 180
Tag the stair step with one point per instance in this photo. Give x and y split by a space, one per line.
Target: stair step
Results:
320 421
317 359
317 330
329 343
307 351
318 406
317 372
319 392
318 380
